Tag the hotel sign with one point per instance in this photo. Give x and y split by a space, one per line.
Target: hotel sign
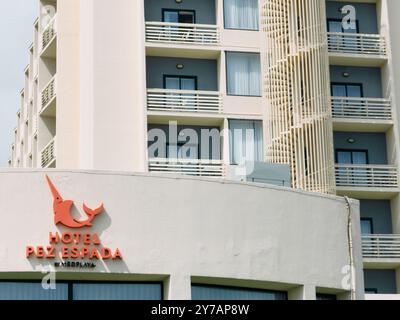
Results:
72 245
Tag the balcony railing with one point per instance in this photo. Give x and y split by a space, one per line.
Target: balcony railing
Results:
49 33
381 246
200 168
366 176
48 154
361 108
49 92
184 101
357 43
184 33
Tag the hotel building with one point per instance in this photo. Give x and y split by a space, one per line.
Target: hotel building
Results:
316 83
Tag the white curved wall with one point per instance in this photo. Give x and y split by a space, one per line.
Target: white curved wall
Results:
175 228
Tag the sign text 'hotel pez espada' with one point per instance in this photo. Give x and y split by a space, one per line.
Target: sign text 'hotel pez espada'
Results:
73 245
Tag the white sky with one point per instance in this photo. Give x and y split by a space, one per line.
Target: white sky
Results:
16 35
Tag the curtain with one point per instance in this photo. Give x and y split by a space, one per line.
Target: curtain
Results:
243 74
200 292
117 291
246 141
241 14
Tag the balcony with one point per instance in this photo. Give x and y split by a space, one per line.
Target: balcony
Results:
367 181
48 98
362 114
356 47
381 246
192 167
385 297
48 155
181 101
49 46
182 33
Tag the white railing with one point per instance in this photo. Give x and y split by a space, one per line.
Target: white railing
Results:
361 108
48 154
49 92
357 43
49 33
184 101
200 168
366 176
186 33
381 246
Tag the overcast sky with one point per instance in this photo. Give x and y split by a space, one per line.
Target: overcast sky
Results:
16 34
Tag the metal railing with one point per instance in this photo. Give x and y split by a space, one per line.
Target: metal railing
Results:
185 33
366 176
49 92
49 33
48 154
192 167
184 101
381 246
361 108
357 43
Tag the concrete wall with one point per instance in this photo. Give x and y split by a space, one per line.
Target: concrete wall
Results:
176 229
383 280
380 212
205 9
366 14
113 86
375 143
206 71
370 78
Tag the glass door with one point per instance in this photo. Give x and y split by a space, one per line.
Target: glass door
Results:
188 101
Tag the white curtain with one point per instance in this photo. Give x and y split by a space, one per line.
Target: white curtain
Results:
243 73
241 14
246 141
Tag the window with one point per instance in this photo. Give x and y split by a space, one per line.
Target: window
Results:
179 16
81 291
180 82
241 14
183 151
32 291
246 141
351 156
326 297
243 74
367 226
371 291
336 25
208 292
352 90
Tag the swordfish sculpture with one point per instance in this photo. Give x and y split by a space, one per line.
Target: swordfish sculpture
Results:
62 210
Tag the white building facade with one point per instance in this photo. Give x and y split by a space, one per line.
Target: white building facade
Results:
313 80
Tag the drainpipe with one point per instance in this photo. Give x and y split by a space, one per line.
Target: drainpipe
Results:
351 250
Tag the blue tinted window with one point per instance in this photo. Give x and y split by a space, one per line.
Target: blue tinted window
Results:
117 291
32 291
200 292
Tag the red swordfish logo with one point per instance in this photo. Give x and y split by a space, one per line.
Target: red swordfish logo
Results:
62 210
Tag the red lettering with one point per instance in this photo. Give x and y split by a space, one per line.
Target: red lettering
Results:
106 253
29 251
96 240
117 254
64 252
86 239
74 252
84 252
54 238
94 255
50 253
67 238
